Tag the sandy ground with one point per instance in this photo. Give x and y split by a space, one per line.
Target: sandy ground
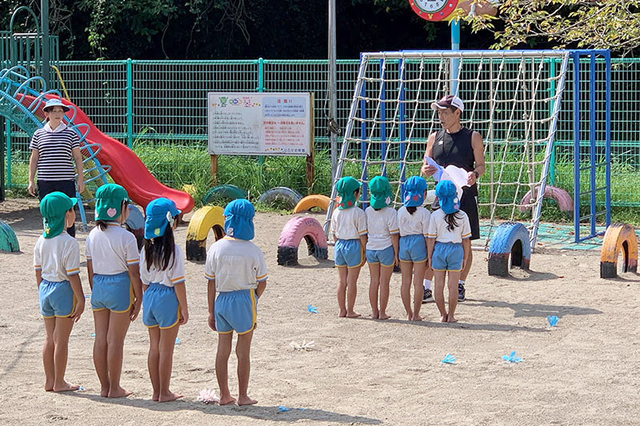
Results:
583 371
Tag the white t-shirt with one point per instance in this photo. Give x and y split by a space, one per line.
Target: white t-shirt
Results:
413 224
348 224
58 258
235 265
111 251
438 228
174 274
381 225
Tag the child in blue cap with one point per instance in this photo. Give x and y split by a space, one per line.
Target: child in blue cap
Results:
56 259
349 228
382 244
448 245
413 221
116 291
235 268
164 299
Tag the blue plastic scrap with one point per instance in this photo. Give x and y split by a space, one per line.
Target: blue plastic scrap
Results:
282 409
448 359
552 319
511 357
177 341
312 309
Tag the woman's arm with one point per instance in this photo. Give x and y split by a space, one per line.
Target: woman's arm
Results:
77 156
33 166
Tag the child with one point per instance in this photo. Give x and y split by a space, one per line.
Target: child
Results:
413 220
382 244
349 228
56 259
448 246
116 290
235 268
164 297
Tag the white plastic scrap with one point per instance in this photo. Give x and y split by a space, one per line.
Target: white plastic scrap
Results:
208 396
305 346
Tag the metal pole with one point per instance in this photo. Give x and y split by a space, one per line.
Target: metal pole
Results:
455 62
333 89
46 49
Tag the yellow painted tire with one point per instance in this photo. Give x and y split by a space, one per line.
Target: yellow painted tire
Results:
320 201
619 236
204 219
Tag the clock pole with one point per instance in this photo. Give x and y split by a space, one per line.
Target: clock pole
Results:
455 62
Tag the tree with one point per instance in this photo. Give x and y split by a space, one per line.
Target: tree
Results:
586 24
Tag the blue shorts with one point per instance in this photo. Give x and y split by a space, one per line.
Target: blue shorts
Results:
349 253
56 299
112 292
447 257
413 248
236 310
384 257
160 307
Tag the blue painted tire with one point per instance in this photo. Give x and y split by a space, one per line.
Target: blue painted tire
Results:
231 192
8 239
510 244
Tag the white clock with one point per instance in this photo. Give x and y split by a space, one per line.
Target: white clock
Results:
431 6
433 10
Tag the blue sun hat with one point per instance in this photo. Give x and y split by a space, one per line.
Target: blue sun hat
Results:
53 208
380 190
345 188
447 194
414 188
160 213
109 199
55 103
238 219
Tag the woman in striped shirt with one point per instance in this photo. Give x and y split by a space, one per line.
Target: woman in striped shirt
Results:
54 150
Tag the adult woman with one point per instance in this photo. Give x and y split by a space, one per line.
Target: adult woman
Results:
54 150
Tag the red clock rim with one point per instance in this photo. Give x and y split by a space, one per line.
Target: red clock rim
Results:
436 16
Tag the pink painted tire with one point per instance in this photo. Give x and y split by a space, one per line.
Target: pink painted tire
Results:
564 200
295 230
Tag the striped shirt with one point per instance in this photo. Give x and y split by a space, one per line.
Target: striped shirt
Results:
111 251
55 158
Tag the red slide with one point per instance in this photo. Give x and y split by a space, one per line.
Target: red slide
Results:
126 168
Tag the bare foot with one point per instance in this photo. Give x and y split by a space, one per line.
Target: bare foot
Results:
48 386
451 319
226 400
104 392
65 387
416 318
383 316
156 397
375 315
245 400
443 318
353 315
119 393
342 314
171 396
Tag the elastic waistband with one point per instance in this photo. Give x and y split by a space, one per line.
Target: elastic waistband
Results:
118 275
158 286
55 282
412 235
351 239
236 292
449 243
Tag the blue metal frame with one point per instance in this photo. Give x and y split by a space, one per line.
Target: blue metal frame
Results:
383 118
577 168
363 139
402 127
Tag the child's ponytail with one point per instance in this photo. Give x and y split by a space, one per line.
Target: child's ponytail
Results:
159 251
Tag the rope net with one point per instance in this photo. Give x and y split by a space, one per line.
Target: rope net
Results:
511 98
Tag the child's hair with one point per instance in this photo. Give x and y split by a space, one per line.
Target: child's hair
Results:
412 210
452 223
158 251
103 224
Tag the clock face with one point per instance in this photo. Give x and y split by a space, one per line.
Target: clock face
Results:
433 10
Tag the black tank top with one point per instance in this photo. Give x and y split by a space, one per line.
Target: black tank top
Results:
455 149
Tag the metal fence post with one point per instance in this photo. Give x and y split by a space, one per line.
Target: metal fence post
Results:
129 103
552 168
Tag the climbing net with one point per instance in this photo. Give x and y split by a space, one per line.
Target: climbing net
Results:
512 98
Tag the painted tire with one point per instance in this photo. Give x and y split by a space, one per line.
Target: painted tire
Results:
619 236
231 192
320 201
509 242
564 200
135 224
204 219
294 231
8 239
281 196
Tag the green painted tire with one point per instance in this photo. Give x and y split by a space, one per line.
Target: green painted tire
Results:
231 192
8 239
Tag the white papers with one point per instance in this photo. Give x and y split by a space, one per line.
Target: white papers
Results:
455 174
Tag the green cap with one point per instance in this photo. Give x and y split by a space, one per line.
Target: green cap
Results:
109 200
53 208
380 190
345 188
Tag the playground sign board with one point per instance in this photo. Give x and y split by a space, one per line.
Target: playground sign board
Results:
249 123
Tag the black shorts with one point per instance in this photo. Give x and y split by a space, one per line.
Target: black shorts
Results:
469 205
67 187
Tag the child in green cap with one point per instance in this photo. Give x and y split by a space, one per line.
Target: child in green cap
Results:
382 244
349 228
56 259
116 290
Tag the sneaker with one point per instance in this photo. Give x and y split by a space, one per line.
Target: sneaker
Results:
461 293
427 296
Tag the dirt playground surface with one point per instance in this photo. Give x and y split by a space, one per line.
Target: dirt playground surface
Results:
583 371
